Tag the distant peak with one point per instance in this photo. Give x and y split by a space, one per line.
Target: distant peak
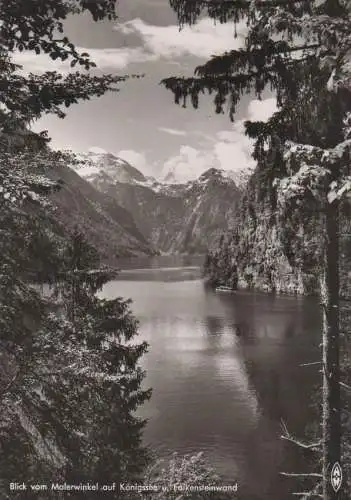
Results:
100 164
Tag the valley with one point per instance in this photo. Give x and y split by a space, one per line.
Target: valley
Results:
182 218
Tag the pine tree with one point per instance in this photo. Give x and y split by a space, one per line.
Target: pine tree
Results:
300 50
61 366
23 312
99 374
69 378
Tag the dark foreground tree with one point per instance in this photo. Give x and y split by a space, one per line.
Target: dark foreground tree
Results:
69 381
97 362
300 50
24 454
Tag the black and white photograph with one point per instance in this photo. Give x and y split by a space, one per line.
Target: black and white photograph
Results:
175 249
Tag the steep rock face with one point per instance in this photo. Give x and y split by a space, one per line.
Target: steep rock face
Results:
157 216
211 205
273 252
109 227
174 218
183 219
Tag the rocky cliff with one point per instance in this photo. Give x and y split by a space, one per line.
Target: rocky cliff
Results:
174 218
272 251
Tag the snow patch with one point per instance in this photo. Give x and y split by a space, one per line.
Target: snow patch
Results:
97 151
88 170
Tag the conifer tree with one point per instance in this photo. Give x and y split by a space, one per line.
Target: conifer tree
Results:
101 373
24 455
69 380
300 50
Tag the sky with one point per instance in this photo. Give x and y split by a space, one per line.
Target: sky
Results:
141 123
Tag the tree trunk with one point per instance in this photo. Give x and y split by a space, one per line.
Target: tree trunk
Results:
331 422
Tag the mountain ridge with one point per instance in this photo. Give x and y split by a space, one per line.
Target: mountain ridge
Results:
174 218
97 163
108 226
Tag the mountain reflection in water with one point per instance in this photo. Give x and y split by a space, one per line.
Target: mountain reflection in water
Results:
225 369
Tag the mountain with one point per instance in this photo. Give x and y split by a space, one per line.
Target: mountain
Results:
98 162
174 218
181 174
108 226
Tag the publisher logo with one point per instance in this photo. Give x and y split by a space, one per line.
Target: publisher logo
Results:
336 477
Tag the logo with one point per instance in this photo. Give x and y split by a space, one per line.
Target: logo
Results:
336 477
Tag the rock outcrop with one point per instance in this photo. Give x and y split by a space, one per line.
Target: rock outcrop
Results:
271 251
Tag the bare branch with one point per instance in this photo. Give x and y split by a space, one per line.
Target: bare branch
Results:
345 386
288 437
305 446
284 427
310 364
307 494
293 474
310 494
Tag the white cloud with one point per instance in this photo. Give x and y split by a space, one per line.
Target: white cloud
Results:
262 110
136 159
202 40
187 165
233 149
172 131
105 59
230 150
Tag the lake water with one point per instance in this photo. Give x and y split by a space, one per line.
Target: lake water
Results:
225 371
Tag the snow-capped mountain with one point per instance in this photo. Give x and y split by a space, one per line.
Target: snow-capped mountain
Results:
177 175
107 225
98 164
99 167
177 218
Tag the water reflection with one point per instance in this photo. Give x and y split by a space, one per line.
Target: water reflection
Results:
161 261
224 371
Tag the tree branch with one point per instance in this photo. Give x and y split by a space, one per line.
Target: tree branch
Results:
311 364
288 437
345 386
309 494
292 474
305 446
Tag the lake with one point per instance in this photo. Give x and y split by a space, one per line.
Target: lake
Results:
225 371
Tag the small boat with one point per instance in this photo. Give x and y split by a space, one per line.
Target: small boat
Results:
225 289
